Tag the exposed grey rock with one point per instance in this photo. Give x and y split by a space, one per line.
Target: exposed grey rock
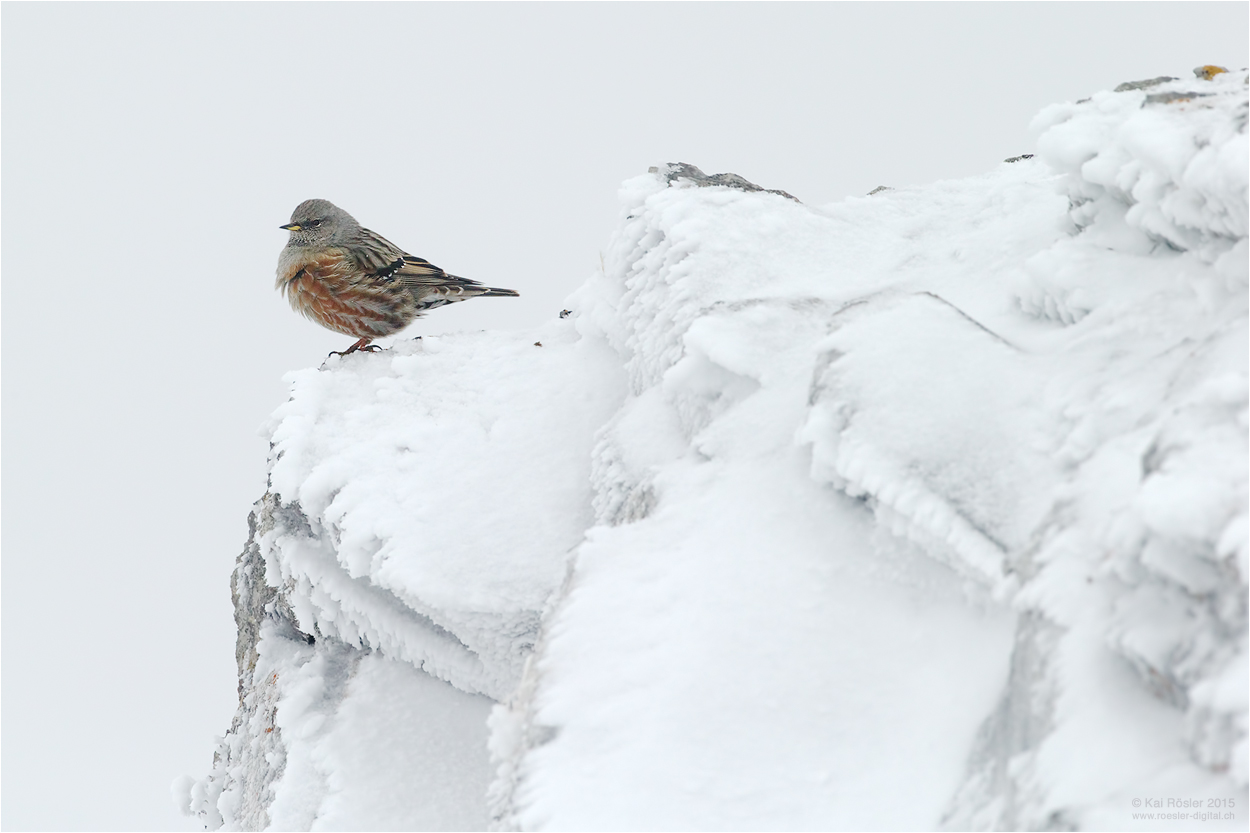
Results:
681 170
1168 98
996 793
515 731
1141 85
251 758
254 600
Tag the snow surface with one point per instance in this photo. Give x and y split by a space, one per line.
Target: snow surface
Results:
448 480
921 509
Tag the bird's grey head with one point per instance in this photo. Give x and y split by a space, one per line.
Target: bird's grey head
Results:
320 223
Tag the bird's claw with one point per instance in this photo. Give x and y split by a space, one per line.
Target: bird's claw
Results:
372 348
358 346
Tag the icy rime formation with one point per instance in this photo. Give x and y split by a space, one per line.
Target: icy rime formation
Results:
415 526
1141 560
923 508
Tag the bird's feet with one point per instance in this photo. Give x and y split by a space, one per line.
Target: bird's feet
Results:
362 345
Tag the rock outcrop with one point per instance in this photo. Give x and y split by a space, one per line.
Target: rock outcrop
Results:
941 491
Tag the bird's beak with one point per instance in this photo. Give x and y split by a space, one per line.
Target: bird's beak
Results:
291 227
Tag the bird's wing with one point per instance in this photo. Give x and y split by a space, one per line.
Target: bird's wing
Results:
381 258
417 272
373 253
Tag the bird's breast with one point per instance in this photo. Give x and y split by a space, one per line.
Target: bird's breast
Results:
329 288
296 263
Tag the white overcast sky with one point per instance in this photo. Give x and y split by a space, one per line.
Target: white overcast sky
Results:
150 152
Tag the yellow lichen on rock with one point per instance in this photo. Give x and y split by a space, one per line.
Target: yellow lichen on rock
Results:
1208 71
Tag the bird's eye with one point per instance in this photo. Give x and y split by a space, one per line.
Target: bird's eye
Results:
315 223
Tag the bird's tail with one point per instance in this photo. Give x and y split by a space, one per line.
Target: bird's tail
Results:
496 292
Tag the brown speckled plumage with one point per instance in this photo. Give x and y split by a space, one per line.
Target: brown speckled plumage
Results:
356 282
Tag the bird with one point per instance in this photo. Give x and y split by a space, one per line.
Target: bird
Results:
356 282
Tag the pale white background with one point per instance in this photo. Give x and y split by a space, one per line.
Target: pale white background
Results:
150 152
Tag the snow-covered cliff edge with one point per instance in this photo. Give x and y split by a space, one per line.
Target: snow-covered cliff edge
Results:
923 508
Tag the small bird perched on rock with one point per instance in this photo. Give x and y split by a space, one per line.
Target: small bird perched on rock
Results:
353 281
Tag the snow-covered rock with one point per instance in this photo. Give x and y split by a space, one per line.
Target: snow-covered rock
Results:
923 508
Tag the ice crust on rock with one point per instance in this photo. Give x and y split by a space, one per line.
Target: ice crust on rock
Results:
939 493
423 505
